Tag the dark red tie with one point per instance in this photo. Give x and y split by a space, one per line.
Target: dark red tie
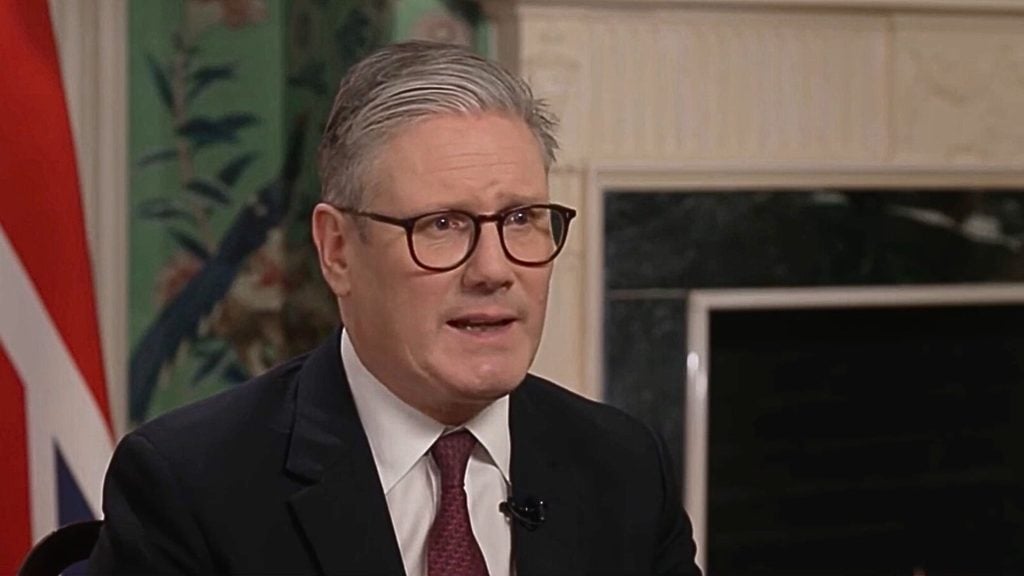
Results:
451 548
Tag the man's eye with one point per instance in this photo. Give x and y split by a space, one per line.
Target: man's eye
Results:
519 218
446 222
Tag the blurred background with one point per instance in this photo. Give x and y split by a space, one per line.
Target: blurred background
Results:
800 256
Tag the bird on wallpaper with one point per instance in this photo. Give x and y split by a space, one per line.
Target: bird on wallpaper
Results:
179 320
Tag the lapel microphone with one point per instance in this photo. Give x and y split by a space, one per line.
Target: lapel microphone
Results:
529 513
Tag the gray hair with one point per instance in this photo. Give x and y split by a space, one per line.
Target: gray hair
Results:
409 81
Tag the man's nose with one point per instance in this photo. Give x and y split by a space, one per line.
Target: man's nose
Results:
488 268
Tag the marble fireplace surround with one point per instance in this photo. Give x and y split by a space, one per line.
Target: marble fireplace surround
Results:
684 95
757 94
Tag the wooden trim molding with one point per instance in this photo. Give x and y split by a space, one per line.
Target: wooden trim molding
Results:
92 45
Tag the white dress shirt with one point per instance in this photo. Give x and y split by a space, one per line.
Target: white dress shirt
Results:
401 437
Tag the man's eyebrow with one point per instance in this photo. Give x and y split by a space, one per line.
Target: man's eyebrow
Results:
516 199
505 201
528 199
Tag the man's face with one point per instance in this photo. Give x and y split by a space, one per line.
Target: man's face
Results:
448 343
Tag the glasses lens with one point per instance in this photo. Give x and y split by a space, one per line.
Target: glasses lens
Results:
441 239
533 234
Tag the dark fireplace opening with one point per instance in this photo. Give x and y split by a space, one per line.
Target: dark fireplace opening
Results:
866 441
910 482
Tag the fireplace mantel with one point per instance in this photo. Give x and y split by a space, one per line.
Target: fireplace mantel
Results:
673 94
966 6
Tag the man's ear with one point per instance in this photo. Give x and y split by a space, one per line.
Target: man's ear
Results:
333 239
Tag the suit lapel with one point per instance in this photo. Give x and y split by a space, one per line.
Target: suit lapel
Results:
541 469
343 512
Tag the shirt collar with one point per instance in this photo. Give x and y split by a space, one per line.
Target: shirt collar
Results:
399 435
490 427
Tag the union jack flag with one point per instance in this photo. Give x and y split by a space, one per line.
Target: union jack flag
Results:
55 426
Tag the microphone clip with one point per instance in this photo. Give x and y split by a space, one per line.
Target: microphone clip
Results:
529 513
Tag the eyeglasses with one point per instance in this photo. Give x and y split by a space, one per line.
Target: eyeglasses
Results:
530 235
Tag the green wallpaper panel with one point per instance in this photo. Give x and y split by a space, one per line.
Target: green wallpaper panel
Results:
227 103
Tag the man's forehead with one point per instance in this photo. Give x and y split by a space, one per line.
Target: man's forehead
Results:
464 139
445 123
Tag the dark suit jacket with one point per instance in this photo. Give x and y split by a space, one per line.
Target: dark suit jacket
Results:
276 476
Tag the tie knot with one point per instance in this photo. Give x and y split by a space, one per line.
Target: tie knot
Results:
451 453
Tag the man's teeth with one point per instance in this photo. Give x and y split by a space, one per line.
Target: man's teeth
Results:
478 326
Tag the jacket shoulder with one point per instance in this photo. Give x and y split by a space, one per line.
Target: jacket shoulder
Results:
585 420
229 422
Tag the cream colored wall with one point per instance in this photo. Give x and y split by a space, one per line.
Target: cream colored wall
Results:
674 94
91 40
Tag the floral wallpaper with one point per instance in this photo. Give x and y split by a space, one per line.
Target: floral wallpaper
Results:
227 102
450 21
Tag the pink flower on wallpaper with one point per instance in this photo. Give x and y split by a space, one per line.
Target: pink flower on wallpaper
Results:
440 26
238 13
249 316
175 275
263 279
231 13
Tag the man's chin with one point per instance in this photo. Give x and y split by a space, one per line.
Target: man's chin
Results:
470 393
488 383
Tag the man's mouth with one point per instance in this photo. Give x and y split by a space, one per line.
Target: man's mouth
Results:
480 325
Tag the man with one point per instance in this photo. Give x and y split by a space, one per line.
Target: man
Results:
413 441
